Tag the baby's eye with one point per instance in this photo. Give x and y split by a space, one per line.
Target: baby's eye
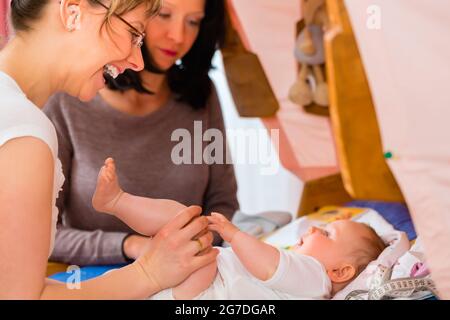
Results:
326 233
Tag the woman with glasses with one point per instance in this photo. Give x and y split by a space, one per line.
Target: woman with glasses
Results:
134 122
67 46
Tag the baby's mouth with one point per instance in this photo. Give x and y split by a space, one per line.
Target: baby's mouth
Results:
111 71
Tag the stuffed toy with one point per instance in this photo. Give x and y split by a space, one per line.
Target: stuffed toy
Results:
310 86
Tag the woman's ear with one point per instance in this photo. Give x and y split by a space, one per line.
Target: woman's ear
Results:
70 13
342 274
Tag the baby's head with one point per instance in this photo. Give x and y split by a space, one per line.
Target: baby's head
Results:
344 247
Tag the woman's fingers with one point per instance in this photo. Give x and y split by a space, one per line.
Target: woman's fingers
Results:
204 251
174 255
193 228
202 233
205 259
201 244
182 219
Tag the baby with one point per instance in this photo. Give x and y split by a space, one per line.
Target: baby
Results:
322 263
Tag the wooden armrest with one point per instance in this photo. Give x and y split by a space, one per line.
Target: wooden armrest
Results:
54 267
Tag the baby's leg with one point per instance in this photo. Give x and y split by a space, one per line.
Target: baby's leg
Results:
197 282
144 215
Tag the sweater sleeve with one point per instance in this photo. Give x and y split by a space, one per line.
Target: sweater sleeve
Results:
74 246
221 193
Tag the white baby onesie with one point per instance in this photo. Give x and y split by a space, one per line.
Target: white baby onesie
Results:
297 277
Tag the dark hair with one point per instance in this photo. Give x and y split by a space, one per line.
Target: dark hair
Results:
23 12
189 80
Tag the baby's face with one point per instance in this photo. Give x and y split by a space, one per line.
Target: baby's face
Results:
332 245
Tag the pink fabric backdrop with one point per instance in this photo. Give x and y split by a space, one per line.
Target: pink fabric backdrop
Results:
4 6
408 68
268 28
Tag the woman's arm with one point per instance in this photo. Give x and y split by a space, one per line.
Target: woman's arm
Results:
259 258
171 259
127 283
80 247
26 177
25 223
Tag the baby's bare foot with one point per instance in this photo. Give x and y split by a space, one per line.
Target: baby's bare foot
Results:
108 190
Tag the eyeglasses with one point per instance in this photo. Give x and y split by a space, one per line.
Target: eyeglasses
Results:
138 37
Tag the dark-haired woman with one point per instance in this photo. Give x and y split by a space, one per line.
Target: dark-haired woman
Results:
65 46
133 122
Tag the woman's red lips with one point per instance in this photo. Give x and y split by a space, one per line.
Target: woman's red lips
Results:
170 53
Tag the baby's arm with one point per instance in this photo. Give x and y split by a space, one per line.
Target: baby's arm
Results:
259 258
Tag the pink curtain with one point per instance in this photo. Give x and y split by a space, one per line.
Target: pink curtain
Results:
4 7
306 144
407 61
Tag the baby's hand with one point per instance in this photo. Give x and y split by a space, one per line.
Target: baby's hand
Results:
223 226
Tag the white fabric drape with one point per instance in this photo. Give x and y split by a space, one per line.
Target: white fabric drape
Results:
264 185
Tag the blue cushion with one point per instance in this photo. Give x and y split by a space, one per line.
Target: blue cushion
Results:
86 272
395 213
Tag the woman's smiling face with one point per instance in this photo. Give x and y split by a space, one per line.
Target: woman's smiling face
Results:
113 48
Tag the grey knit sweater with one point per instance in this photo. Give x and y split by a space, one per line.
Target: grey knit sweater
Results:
90 132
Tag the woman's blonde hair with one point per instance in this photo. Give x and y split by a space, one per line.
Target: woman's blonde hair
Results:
25 12
119 7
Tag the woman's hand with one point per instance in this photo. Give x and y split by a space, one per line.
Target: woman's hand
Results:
222 226
172 255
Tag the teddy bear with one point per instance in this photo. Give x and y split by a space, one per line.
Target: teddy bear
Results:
310 86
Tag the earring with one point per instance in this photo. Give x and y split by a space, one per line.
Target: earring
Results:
73 21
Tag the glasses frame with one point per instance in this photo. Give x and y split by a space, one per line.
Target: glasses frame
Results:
139 42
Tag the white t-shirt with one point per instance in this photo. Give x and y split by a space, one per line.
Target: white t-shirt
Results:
19 117
297 277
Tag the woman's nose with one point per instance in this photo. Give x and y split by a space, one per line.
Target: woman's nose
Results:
135 60
176 31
